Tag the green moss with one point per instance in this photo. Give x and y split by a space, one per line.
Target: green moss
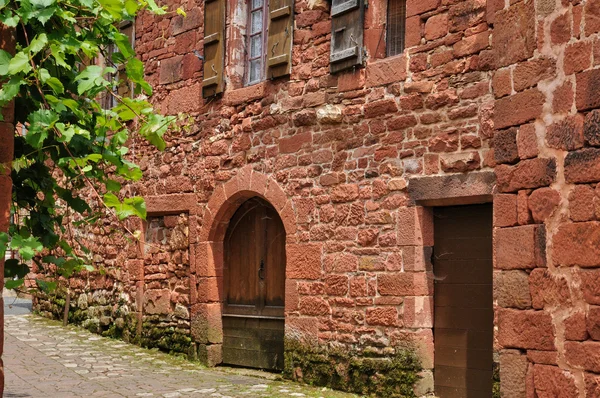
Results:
166 339
391 376
496 381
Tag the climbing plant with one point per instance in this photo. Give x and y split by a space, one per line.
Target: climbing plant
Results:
70 151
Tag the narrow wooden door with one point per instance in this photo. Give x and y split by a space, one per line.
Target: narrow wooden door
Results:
464 316
253 312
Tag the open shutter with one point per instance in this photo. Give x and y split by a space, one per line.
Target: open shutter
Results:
347 19
279 41
214 47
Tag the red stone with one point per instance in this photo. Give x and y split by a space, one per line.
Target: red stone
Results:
294 143
578 57
532 173
514 34
588 86
584 355
436 27
472 44
560 29
525 329
542 203
386 71
563 97
505 146
527 142
581 203
382 316
402 284
577 244
592 17
519 247
505 210
336 285
529 73
414 7
583 166
303 261
552 381
314 306
518 109
548 290
591 128
502 83
566 134
575 327
379 108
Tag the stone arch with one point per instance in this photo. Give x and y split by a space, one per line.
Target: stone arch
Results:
229 196
208 256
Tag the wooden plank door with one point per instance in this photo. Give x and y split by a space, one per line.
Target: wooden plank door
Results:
253 311
463 311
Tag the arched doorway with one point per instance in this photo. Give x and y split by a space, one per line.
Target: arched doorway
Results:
254 287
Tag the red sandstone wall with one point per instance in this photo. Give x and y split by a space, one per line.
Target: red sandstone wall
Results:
341 149
509 87
546 243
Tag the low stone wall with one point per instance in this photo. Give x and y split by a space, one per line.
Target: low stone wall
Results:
149 305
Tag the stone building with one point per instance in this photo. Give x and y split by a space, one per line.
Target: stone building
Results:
368 176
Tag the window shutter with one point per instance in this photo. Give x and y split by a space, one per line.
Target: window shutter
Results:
347 20
214 47
279 41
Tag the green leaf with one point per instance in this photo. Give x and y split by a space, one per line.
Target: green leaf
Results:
114 7
55 85
135 206
181 12
40 122
46 286
13 284
90 78
14 267
135 70
45 14
38 43
19 63
124 45
5 58
9 19
58 53
112 185
42 3
131 7
27 247
10 90
155 9
4 238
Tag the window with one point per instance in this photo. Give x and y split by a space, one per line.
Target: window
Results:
257 10
119 78
396 22
265 54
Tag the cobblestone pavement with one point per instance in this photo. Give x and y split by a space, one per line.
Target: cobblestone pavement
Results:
44 359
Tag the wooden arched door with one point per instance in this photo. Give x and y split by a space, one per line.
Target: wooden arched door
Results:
254 282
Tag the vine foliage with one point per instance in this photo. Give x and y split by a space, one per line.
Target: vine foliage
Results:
67 55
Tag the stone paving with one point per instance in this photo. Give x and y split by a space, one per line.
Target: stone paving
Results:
44 359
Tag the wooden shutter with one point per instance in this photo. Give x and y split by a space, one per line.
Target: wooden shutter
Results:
347 19
214 47
396 25
279 40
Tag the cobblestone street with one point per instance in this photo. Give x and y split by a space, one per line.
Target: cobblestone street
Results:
44 359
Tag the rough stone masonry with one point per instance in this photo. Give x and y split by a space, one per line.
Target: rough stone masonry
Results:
490 101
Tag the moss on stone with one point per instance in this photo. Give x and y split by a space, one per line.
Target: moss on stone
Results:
352 371
496 381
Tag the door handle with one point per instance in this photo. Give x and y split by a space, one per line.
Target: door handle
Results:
261 270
